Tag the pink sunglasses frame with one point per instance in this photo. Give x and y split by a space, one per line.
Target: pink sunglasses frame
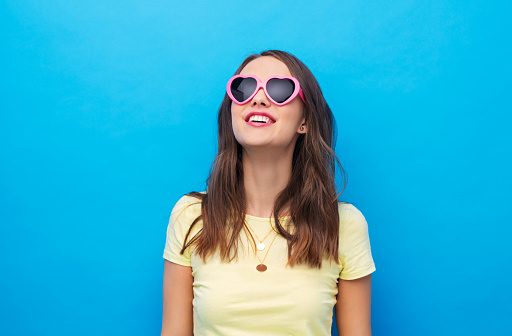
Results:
259 85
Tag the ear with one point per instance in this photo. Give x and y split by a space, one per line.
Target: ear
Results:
303 128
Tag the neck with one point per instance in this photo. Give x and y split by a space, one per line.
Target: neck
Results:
266 174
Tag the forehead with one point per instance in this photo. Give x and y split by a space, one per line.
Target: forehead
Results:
265 66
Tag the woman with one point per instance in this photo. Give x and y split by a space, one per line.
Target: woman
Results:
268 249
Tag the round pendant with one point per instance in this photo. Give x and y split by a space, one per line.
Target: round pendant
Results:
261 268
261 246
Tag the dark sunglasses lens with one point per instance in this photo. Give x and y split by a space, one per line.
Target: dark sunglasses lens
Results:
243 88
280 89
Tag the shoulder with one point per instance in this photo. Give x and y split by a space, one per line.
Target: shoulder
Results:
186 209
186 201
348 209
351 218
355 249
344 208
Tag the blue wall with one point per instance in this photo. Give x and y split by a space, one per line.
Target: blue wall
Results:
102 130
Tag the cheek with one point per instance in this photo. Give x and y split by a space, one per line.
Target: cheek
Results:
293 115
235 119
236 110
233 116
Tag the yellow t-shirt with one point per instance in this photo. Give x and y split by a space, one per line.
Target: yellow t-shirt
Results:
236 299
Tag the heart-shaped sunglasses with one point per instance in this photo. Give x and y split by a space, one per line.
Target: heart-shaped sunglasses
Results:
279 89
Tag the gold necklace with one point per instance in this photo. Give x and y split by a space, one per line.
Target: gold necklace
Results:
261 245
262 267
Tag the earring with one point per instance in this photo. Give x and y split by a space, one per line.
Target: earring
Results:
302 128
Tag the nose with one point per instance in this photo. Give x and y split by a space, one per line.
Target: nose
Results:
260 98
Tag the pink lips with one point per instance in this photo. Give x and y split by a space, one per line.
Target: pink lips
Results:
259 124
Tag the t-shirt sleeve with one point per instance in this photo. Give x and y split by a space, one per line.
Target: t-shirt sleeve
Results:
180 220
356 255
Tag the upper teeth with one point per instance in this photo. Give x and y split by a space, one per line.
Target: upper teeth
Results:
259 118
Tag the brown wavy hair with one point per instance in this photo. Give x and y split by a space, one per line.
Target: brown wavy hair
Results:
310 193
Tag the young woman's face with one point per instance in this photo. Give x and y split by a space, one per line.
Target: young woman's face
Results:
289 118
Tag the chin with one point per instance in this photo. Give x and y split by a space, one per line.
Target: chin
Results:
256 144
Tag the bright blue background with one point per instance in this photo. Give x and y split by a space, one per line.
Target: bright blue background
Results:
108 116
